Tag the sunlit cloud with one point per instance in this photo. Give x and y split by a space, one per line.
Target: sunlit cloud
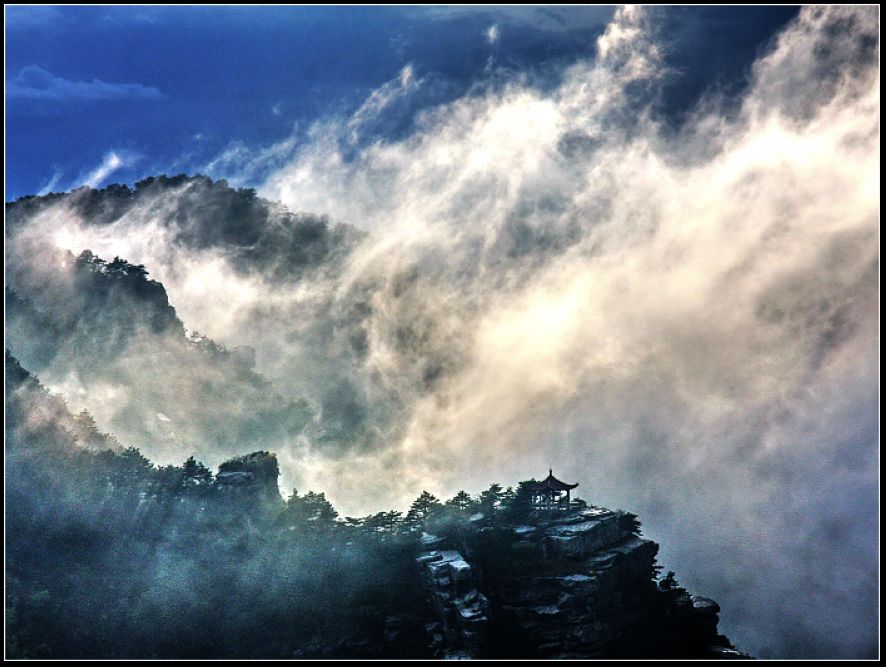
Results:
687 324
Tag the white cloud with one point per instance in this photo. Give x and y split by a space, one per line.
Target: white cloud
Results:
111 163
492 34
382 98
246 164
676 356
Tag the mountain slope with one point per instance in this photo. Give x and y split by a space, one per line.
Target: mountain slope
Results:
107 334
109 556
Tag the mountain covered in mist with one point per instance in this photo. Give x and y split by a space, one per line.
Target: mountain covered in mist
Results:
109 556
102 329
102 325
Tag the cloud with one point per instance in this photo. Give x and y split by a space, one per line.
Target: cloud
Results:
685 322
35 83
51 183
663 318
551 19
492 34
382 99
246 164
109 164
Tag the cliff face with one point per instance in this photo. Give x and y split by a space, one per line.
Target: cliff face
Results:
564 585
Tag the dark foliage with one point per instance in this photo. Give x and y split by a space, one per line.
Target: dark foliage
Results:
110 556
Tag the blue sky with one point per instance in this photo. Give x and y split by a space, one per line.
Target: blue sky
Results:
103 94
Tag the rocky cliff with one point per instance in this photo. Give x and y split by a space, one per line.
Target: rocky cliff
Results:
567 584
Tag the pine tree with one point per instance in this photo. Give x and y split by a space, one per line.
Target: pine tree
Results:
195 473
422 509
312 509
461 502
519 505
491 498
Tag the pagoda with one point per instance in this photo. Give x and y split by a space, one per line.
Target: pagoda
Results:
549 493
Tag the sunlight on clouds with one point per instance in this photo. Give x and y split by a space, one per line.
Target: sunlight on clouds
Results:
549 278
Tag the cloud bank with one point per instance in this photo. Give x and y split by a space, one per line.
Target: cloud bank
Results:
684 322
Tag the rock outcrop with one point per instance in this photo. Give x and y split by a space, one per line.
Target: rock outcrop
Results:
252 476
452 587
566 585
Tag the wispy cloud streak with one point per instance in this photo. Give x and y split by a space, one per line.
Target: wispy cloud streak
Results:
35 83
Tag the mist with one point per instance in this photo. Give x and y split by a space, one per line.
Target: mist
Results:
548 274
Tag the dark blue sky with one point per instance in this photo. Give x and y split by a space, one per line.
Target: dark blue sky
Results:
168 88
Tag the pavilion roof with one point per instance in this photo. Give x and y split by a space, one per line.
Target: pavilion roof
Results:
551 483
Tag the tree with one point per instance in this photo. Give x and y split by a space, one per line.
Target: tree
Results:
118 265
168 478
319 509
392 520
129 468
312 509
85 420
519 506
669 583
629 522
295 512
195 473
88 259
491 498
422 509
373 523
382 522
461 502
